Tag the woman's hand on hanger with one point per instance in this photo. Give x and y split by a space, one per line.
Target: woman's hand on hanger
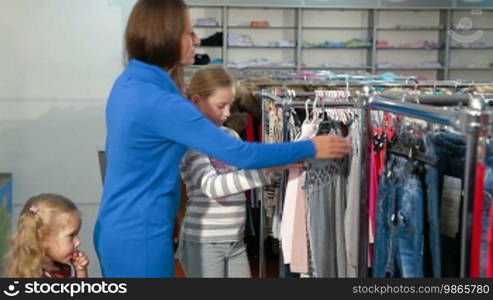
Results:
331 146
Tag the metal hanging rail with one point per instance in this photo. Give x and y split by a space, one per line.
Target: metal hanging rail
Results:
280 100
425 112
469 121
370 83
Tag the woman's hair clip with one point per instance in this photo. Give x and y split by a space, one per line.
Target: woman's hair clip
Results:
34 209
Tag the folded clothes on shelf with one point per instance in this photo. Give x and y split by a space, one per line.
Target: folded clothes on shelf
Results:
284 43
258 62
422 44
357 43
388 76
239 40
419 27
383 44
259 24
335 65
281 43
461 26
429 64
215 39
480 64
202 59
476 45
264 44
305 74
352 43
424 64
206 22
217 61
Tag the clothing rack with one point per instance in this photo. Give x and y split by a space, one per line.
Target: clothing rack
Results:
280 101
371 81
475 121
442 100
469 122
330 77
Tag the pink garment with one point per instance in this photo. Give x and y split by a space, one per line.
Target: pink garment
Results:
288 214
477 221
416 44
299 258
291 198
382 44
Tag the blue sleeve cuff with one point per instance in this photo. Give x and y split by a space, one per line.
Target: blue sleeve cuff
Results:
309 148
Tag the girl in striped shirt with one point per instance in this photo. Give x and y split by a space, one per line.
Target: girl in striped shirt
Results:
211 237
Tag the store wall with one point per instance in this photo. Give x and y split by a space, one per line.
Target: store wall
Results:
58 62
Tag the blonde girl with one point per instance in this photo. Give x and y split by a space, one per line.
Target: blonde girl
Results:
46 242
211 237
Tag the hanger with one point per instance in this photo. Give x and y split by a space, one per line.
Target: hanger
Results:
325 124
307 112
408 146
315 109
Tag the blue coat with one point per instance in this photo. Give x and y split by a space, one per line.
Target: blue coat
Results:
149 128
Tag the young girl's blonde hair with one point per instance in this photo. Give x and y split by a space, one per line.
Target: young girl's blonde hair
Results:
205 81
36 221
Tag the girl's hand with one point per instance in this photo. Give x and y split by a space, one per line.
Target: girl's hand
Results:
80 261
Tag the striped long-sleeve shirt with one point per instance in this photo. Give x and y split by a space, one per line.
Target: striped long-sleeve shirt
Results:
216 210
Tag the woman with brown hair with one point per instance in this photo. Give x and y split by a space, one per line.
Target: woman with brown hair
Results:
150 125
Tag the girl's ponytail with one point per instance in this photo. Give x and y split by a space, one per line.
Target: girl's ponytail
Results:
27 251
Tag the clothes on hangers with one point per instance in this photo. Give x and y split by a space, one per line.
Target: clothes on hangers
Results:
292 215
399 236
487 224
425 202
489 267
294 199
487 236
352 211
289 134
215 39
411 196
325 187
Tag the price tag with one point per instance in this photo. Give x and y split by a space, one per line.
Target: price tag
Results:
450 208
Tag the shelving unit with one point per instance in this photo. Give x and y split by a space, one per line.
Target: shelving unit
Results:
465 56
409 48
317 21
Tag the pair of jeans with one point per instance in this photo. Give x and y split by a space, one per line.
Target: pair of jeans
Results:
399 222
431 180
450 149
